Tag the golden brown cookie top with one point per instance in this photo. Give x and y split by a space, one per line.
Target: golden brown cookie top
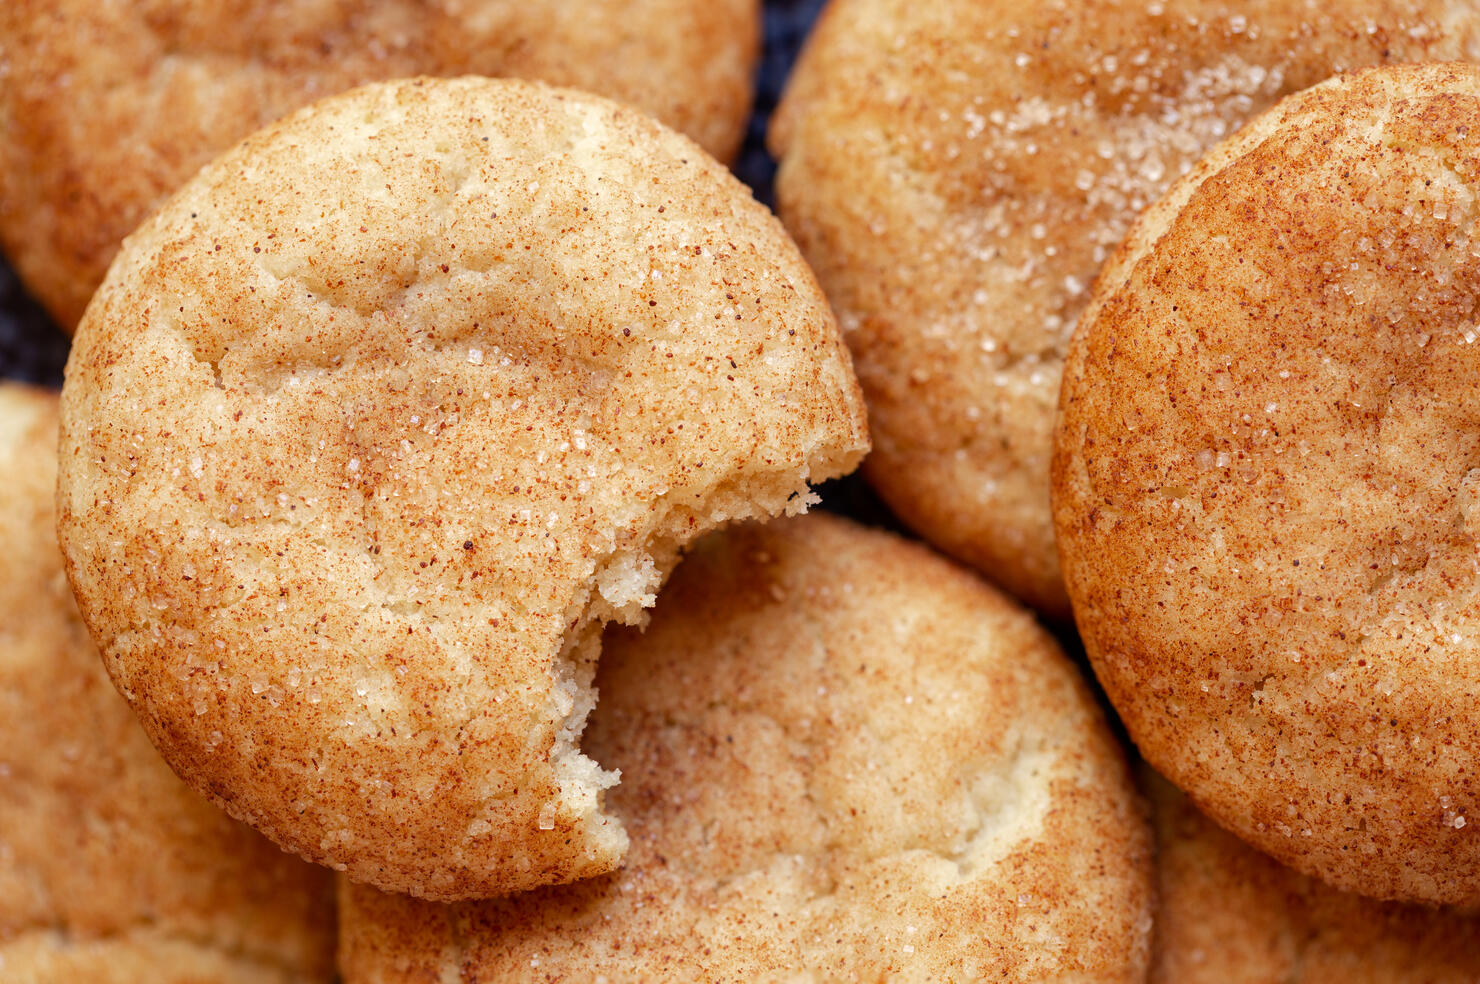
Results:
843 758
1263 483
111 869
1227 914
957 172
381 417
108 108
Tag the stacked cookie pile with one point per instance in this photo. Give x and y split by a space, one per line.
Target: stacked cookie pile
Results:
384 432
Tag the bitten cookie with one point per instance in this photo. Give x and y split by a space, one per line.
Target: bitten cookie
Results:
1265 480
957 171
1227 914
106 108
111 870
380 419
843 758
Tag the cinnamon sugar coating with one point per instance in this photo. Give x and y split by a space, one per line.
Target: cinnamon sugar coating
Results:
379 420
111 869
107 108
1264 481
958 171
843 758
1227 914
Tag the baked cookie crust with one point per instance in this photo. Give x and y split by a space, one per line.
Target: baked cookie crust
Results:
958 171
111 869
844 758
1263 482
381 418
107 108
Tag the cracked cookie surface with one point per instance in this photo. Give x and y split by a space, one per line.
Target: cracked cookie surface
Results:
844 758
111 869
1264 481
108 108
381 418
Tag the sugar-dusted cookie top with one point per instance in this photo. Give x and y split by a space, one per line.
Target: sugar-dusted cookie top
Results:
1227 914
107 108
957 172
844 758
1265 478
111 869
380 419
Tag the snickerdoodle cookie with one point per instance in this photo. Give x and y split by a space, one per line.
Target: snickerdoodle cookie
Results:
380 419
1227 914
1265 481
111 869
843 759
106 108
957 171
